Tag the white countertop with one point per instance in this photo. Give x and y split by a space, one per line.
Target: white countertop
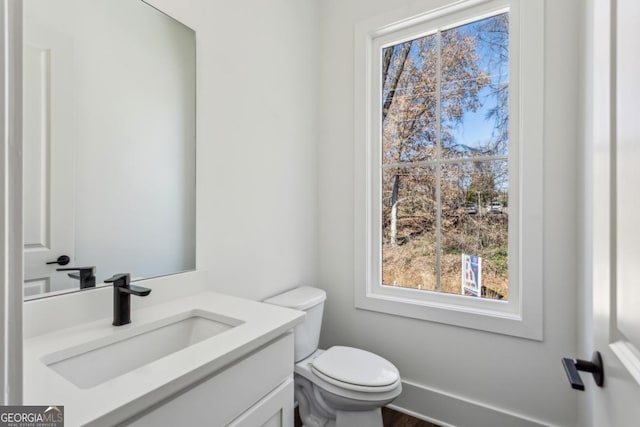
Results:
120 398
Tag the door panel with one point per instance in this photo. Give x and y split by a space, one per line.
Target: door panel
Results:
628 170
615 230
48 170
36 147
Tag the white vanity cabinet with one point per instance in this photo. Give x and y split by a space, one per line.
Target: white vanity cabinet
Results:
174 365
256 390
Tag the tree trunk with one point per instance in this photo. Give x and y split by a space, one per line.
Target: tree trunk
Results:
393 234
386 62
404 53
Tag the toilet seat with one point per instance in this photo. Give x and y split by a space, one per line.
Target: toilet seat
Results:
355 369
373 395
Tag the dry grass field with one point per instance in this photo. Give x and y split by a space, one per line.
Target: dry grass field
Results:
412 263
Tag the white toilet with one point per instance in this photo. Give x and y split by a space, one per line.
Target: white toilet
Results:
340 386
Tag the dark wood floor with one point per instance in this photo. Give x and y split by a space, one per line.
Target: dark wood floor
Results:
390 418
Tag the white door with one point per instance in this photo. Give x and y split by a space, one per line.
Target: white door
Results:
616 211
48 150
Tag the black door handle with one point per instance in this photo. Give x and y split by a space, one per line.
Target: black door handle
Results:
62 260
572 366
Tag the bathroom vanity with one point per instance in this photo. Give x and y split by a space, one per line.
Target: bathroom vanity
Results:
189 357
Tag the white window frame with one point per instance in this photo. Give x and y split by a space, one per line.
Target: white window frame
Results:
521 315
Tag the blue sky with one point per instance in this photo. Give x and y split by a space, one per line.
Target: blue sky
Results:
476 128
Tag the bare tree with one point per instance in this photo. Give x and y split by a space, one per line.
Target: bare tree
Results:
411 103
495 35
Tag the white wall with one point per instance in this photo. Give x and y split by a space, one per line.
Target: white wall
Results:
517 376
257 73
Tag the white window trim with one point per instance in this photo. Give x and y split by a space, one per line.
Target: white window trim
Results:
522 315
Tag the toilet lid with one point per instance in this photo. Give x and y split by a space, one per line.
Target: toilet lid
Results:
354 366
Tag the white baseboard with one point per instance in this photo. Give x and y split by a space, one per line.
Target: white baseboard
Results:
448 410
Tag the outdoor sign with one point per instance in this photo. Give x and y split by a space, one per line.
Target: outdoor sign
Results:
471 275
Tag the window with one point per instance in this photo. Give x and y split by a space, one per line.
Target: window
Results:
448 145
444 160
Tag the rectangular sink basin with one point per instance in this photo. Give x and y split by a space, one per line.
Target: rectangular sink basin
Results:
93 363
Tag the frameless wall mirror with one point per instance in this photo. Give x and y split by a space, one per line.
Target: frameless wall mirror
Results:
109 143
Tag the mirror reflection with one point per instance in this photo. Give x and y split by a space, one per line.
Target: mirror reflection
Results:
109 143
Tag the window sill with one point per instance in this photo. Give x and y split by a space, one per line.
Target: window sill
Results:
494 319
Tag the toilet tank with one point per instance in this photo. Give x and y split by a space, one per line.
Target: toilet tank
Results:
307 334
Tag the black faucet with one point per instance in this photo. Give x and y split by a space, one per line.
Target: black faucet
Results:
87 275
122 291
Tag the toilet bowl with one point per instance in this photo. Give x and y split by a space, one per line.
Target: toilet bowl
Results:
340 386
